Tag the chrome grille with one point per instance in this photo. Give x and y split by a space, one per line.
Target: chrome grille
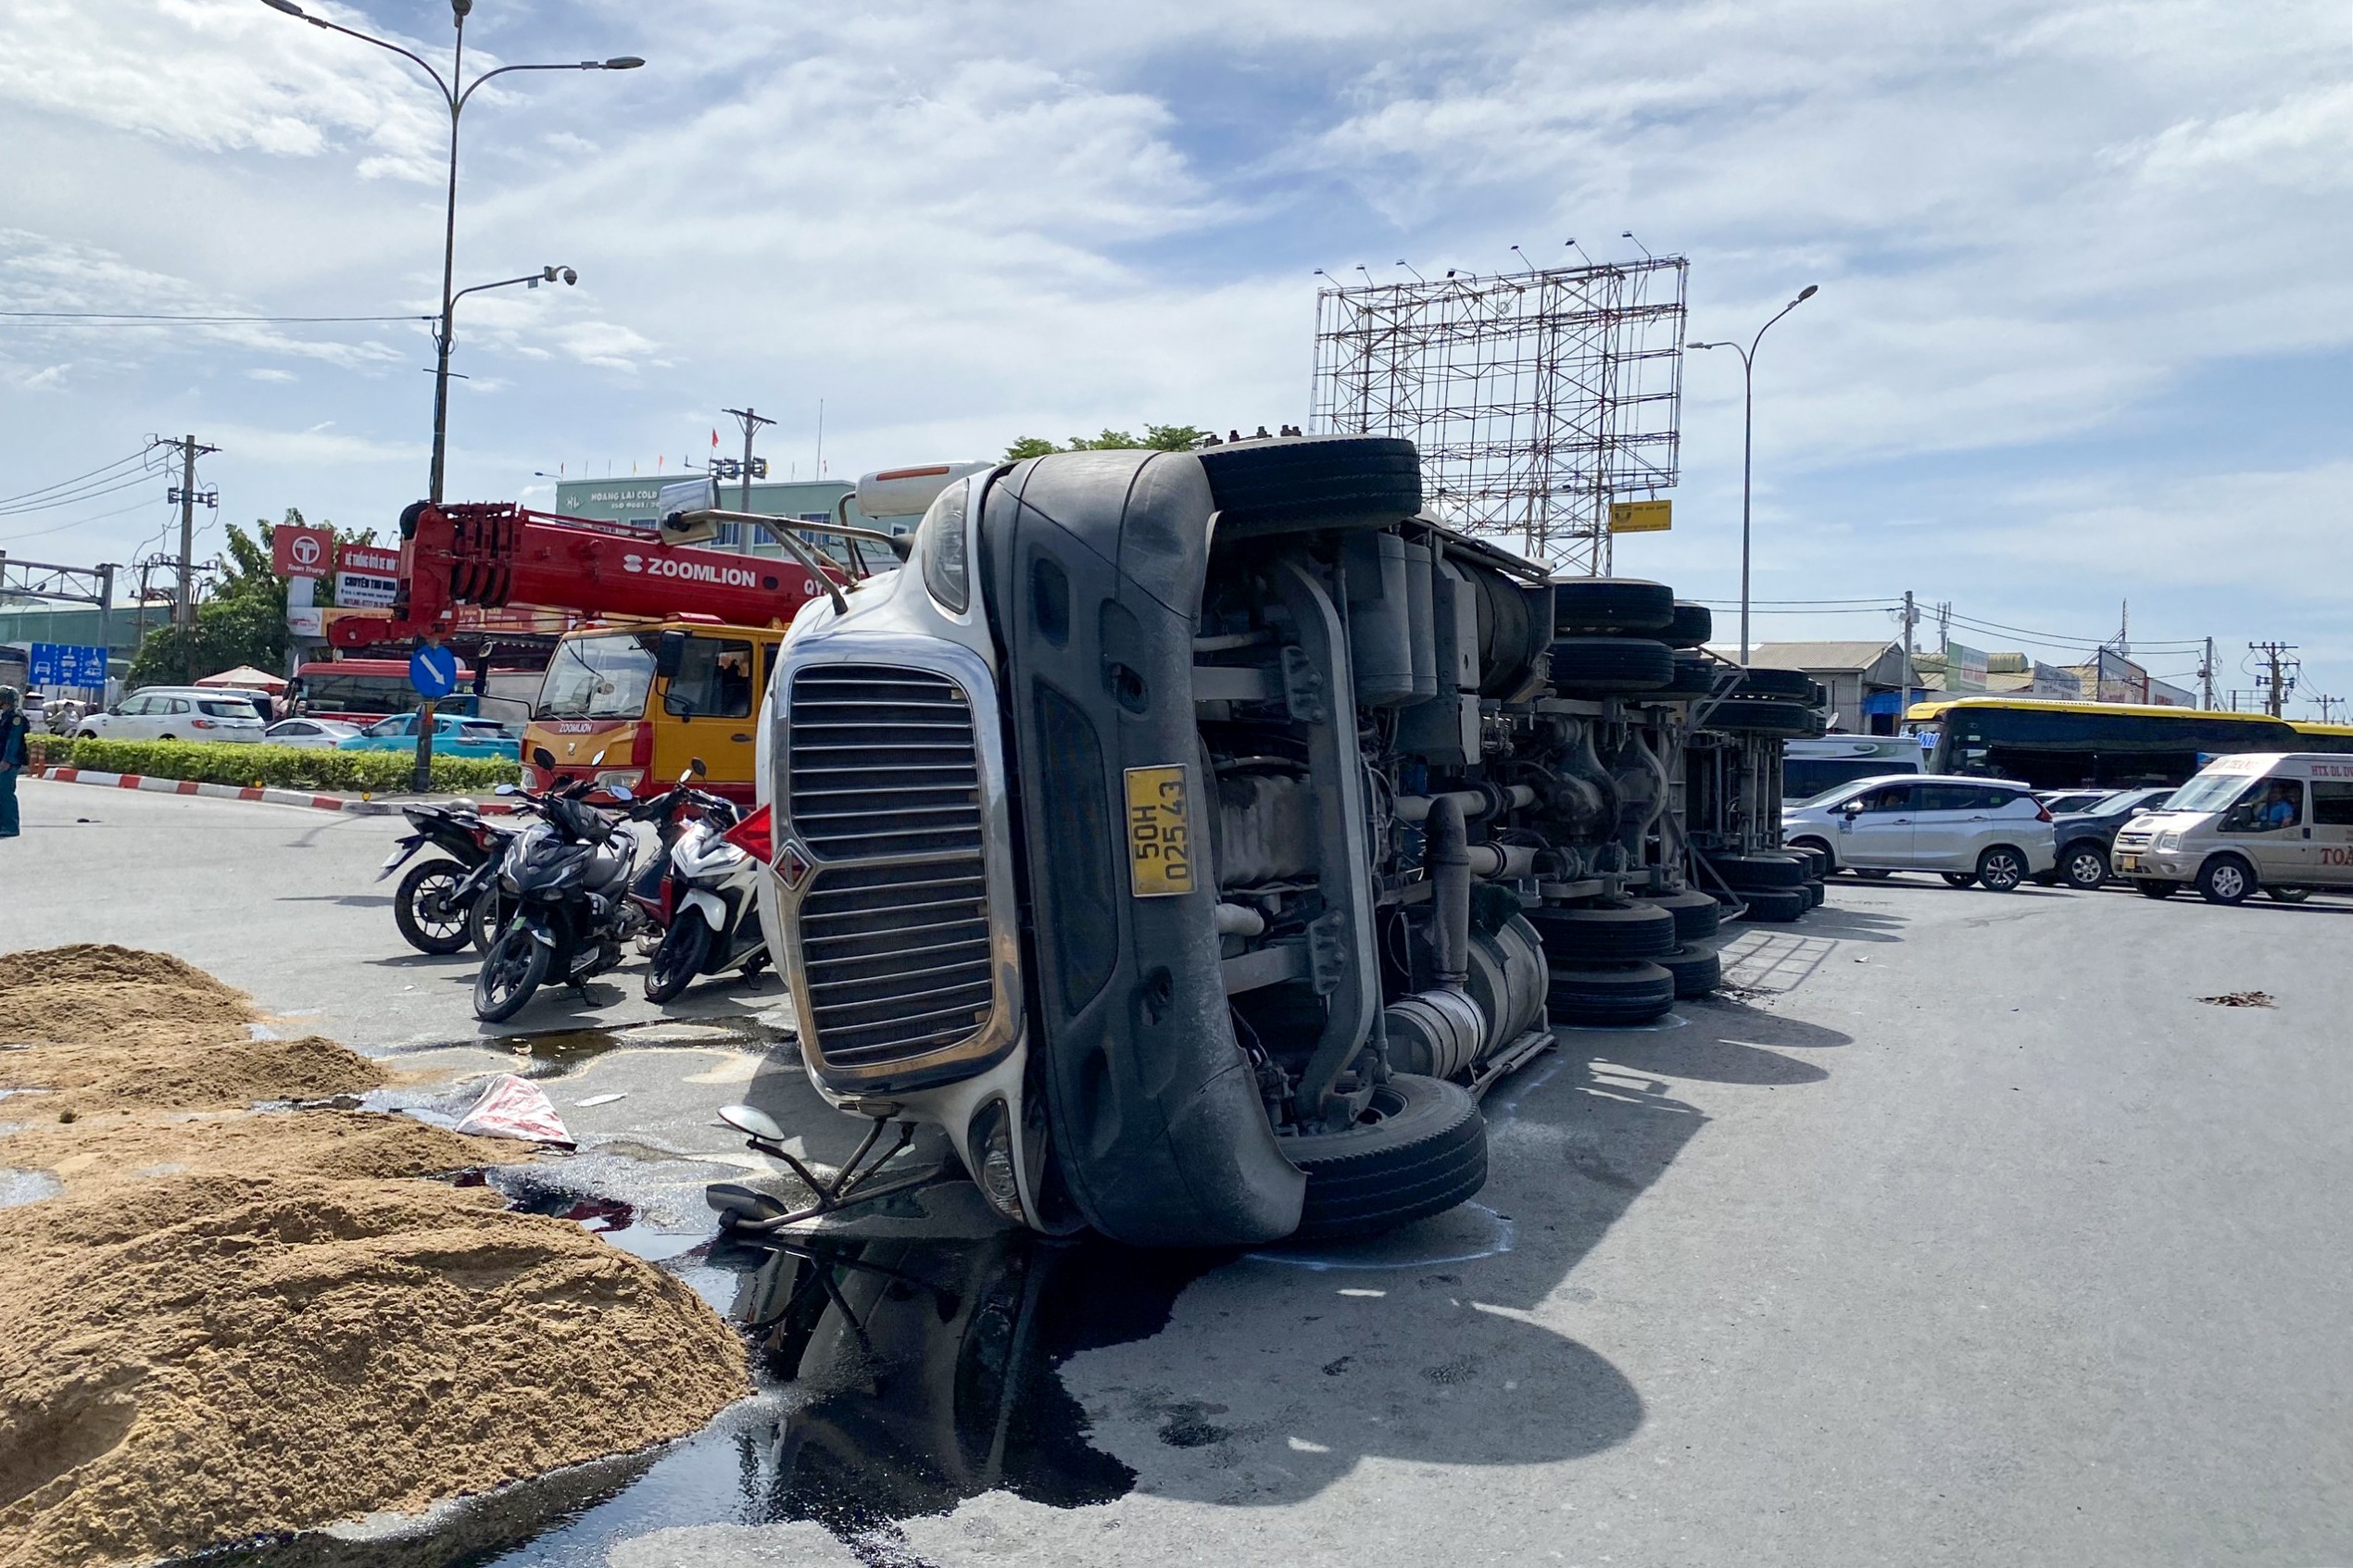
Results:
882 762
883 787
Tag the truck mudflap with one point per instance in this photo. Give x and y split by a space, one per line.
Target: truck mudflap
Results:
1095 564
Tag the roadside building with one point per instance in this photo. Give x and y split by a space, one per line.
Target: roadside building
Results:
631 501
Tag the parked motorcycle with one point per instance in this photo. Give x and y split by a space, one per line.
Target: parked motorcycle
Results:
567 878
435 905
709 898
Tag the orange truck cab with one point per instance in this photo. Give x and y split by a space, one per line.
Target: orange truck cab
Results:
633 703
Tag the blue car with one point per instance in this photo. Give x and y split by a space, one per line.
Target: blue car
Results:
453 735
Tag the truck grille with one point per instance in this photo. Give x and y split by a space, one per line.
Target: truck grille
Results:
883 787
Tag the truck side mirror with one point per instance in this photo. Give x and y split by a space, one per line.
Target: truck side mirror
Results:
670 653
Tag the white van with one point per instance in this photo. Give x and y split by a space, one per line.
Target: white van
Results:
2279 820
1810 767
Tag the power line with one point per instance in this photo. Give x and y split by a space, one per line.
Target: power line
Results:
79 521
199 320
74 498
138 457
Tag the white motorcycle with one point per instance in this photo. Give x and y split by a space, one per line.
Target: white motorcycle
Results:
709 898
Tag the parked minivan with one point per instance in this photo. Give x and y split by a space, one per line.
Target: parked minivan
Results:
2282 821
1989 831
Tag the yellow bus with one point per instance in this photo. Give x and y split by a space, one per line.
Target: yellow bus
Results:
2082 744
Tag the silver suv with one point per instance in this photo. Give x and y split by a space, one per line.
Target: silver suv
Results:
1989 831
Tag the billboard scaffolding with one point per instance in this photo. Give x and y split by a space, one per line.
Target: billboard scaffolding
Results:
1536 397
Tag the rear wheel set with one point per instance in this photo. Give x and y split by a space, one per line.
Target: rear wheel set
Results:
1609 963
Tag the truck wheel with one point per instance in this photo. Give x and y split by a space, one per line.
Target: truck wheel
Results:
1420 1148
1814 893
683 948
1603 934
1743 871
2225 879
1826 863
1330 476
2084 866
1777 905
1793 686
1698 970
420 908
1612 605
2157 889
1691 627
1605 666
1611 998
1695 676
1762 715
1696 915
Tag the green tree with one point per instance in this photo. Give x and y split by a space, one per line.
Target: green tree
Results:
1156 438
242 622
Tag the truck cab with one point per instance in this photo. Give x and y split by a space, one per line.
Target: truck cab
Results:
626 702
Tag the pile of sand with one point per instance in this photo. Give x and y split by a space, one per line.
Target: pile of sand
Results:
107 1026
235 1322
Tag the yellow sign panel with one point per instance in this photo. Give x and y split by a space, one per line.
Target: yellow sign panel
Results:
1160 830
1640 517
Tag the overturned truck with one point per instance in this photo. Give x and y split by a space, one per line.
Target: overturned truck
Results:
1193 838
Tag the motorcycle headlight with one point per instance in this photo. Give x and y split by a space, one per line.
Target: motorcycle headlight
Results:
991 1138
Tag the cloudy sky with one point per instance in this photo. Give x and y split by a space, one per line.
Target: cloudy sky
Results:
2083 337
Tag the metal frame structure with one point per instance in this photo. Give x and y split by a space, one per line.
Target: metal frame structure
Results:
1537 398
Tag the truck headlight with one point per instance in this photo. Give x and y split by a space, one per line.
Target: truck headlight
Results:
940 546
2169 841
991 1138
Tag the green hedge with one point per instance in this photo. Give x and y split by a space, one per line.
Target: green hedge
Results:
278 767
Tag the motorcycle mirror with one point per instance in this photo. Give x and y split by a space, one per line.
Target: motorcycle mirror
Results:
596 760
622 793
696 767
506 789
751 1121
543 756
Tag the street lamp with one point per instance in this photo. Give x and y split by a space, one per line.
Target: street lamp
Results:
454 93
1748 432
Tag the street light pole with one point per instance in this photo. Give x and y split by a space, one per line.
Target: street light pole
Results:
455 92
1748 437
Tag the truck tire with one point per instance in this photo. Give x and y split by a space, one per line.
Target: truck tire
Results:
1696 915
1609 606
1698 970
1817 854
1743 871
1691 628
1695 676
1606 666
1814 893
1762 715
1423 1152
1794 685
1611 998
1605 935
1777 905
1319 476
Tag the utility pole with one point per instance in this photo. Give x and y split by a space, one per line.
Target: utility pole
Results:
2206 678
751 423
183 611
1911 623
2281 680
2329 705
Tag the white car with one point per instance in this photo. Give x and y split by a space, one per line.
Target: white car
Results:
176 713
316 733
1989 831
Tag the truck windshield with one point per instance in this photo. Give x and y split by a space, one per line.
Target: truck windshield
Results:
2208 792
599 677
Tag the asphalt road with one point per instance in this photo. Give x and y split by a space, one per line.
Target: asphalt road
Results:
1963 1233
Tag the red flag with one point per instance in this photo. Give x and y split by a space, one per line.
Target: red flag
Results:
715 440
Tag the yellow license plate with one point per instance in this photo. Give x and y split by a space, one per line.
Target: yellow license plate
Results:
1160 830
2128 862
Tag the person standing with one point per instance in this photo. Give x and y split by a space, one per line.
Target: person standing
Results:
14 753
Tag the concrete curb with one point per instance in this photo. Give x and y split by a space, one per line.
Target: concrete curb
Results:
237 792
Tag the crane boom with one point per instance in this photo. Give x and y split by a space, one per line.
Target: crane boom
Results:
495 553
